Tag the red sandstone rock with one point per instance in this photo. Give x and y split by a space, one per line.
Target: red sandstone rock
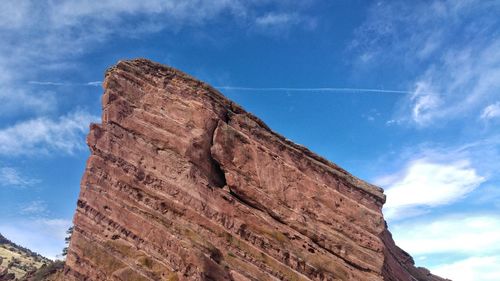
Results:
183 184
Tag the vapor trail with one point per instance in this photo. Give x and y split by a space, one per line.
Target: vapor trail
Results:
47 83
253 89
334 90
50 83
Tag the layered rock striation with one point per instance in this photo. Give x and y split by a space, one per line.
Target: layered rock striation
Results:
183 184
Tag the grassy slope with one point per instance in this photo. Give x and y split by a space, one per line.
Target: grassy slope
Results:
17 259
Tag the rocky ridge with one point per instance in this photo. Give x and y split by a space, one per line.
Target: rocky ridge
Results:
183 184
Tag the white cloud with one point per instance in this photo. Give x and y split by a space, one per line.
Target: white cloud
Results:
371 115
15 100
491 111
482 268
44 236
271 19
279 23
41 37
470 243
43 135
452 235
454 75
59 15
68 27
37 207
417 31
66 13
427 183
14 13
463 80
10 177
424 102
278 19
61 28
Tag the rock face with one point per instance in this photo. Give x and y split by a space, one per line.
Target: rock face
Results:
183 184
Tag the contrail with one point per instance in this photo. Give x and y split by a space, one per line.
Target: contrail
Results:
334 90
253 89
50 83
94 83
47 83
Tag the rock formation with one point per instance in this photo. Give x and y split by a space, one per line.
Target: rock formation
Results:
183 184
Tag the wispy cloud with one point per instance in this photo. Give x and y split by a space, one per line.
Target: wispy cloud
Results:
10 177
481 268
371 115
456 64
15 100
470 244
283 21
424 101
427 183
491 111
473 239
422 177
273 19
58 31
462 83
39 38
446 235
43 135
34 208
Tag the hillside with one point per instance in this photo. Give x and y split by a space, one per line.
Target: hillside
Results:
16 261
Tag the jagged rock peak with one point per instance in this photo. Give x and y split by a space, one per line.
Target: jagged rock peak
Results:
183 184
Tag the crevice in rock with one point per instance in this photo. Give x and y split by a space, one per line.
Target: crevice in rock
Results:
219 176
246 202
186 194
254 205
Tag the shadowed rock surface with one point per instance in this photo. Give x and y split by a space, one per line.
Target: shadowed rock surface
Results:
183 184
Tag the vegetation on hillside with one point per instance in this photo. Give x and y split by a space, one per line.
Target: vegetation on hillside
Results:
47 272
16 261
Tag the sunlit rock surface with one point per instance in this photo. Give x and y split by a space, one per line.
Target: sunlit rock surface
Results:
183 184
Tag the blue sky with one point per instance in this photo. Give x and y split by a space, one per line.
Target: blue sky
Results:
404 94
